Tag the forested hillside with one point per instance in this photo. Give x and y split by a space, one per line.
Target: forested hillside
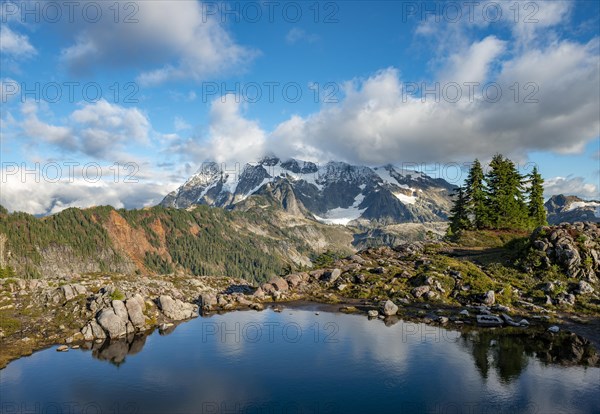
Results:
200 241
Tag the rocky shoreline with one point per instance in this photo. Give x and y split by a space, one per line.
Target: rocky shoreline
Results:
418 282
122 311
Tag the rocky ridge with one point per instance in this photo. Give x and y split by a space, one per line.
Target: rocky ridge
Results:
334 193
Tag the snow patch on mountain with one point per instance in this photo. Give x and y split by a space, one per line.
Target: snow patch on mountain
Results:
343 216
405 199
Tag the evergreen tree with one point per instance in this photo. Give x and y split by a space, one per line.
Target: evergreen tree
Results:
459 219
537 212
505 205
476 196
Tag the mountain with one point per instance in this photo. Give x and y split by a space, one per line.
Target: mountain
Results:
570 209
334 193
255 245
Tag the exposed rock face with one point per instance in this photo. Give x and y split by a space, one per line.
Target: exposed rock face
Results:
335 193
571 209
176 309
573 247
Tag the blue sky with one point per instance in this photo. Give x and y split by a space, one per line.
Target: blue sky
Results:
158 88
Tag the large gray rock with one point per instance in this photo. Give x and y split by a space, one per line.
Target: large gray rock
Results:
135 309
120 310
93 331
176 309
420 291
114 325
489 298
389 308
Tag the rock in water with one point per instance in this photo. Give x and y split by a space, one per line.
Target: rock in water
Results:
373 313
390 308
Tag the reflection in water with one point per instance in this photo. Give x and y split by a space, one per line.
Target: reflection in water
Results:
509 351
116 351
359 366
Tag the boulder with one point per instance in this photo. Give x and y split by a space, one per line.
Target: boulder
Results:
389 308
360 279
279 284
113 324
489 298
331 276
420 291
208 300
176 309
357 259
268 288
135 309
373 313
293 280
584 288
554 329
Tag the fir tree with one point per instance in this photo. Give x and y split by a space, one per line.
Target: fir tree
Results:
537 212
505 204
476 196
459 219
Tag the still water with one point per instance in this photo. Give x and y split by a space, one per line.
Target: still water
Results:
299 362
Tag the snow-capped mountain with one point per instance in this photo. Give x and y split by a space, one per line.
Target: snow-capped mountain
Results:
570 209
334 193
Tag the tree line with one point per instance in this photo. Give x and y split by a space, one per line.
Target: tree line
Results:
500 199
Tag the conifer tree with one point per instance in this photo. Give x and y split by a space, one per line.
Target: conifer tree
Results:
537 212
505 204
459 219
476 196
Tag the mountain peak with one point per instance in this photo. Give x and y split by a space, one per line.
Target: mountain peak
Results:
334 193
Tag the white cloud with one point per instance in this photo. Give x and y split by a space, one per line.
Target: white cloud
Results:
180 125
100 130
296 35
49 192
571 186
474 64
172 40
232 137
229 138
377 122
15 44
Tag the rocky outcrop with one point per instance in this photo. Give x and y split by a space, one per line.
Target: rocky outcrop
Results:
575 248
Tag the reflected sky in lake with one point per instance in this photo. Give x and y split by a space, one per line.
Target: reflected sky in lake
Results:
296 361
